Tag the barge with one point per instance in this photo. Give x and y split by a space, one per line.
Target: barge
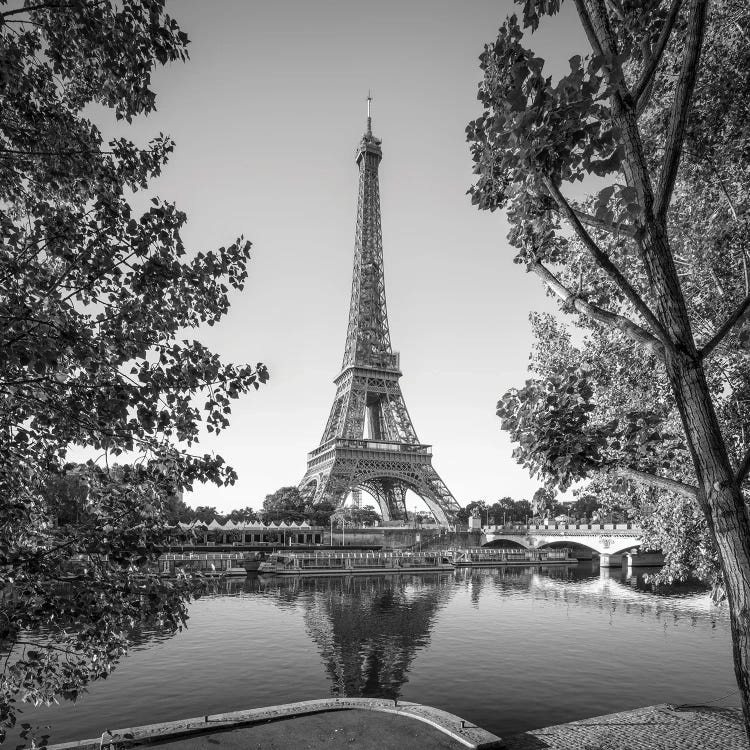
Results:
209 563
495 556
332 562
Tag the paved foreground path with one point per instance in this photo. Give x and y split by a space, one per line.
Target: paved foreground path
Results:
352 730
374 724
661 727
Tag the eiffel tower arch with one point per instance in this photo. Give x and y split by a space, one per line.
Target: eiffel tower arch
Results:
369 442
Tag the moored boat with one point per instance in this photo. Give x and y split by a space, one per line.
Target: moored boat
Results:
489 556
333 562
209 563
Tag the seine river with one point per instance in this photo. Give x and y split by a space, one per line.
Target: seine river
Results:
508 648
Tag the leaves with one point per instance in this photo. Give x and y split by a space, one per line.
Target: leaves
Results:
533 127
97 303
550 421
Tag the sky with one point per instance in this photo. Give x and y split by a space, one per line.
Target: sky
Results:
266 117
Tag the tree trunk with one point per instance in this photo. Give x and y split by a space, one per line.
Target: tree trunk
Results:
722 502
719 494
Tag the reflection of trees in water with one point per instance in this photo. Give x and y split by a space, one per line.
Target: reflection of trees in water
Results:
613 590
368 629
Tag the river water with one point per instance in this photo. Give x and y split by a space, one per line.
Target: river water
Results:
508 648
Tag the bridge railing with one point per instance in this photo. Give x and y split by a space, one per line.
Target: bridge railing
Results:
596 527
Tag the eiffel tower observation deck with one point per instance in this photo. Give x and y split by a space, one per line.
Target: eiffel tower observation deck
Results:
369 442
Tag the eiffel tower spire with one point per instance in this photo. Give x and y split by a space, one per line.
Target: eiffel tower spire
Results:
368 341
369 441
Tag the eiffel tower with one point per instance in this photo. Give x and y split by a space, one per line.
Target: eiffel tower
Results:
388 460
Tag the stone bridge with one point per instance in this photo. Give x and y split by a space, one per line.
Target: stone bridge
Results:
603 538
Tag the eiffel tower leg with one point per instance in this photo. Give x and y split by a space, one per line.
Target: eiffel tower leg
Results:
390 495
335 480
436 495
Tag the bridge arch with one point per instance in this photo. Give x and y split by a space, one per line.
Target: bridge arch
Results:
569 544
509 542
609 539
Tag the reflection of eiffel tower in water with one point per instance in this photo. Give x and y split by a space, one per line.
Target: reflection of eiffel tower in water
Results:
369 630
390 460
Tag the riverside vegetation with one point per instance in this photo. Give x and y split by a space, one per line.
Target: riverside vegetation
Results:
93 296
654 268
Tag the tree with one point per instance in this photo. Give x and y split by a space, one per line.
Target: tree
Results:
320 513
65 495
176 510
286 504
543 502
246 515
585 505
522 510
654 265
205 514
94 300
364 516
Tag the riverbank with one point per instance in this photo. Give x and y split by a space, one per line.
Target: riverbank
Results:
376 724
363 723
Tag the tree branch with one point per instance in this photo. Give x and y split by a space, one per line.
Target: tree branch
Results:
29 8
606 264
642 88
588 27
730 322
69 152
743 469
616 8
44 6
681 106
632 330
662 483
607 226
601 25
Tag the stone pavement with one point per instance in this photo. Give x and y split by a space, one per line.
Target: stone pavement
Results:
660 727
338 730
366 723
373 724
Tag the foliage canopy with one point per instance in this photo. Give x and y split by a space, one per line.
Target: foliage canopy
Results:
654 267
95 298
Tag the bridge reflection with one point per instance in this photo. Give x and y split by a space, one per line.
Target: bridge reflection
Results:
588 586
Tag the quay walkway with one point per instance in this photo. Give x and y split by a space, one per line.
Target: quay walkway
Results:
659 727
378 724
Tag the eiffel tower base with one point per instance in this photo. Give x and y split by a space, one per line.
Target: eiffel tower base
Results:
385 470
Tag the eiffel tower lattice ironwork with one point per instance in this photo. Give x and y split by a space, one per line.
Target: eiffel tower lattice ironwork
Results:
369 441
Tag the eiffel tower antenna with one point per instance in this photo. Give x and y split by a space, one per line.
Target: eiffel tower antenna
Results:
369 442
